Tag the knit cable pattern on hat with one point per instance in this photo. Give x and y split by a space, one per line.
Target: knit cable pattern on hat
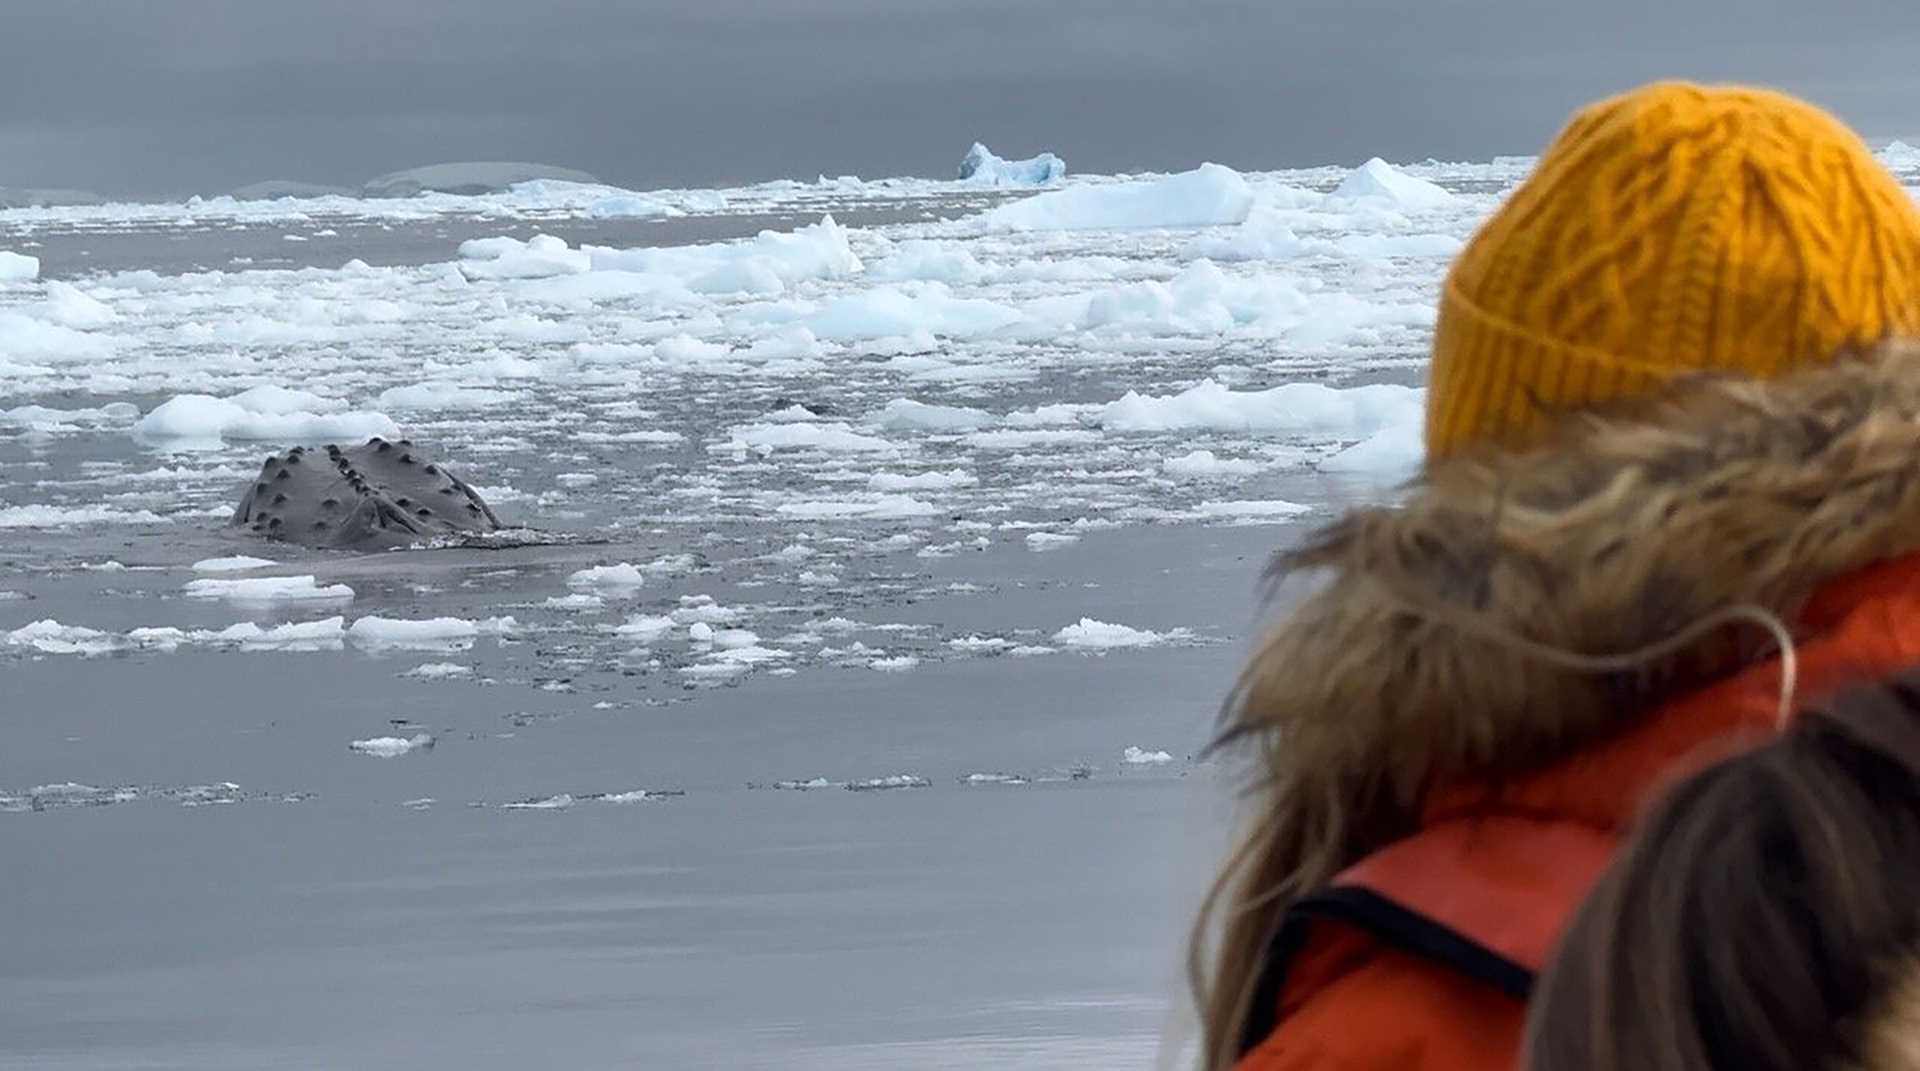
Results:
1678 228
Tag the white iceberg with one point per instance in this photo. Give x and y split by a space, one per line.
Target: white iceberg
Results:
479 177
1208 196
1378 180
982 168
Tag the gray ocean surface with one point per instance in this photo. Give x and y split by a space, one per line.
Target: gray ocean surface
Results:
263 897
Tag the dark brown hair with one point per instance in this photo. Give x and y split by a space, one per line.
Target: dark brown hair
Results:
1762 915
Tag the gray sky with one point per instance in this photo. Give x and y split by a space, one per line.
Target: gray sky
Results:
176 96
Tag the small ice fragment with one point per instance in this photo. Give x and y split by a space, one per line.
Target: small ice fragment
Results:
878 784
236 564
391 747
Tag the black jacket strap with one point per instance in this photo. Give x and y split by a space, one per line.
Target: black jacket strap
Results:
1392 924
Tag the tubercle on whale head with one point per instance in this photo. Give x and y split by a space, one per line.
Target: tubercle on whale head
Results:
384 502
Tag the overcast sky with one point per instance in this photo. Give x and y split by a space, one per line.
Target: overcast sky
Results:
176 96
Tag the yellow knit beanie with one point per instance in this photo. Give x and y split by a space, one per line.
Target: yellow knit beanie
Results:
1673 229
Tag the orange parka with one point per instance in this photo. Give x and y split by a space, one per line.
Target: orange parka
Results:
1419 956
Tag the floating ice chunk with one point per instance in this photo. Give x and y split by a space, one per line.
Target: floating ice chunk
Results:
1377 179
744 657
909 309
649 438
645 628
1202 464
702 608
1383 246
260 413
1044 541
837 436
980 644
1211 195
1252 510
879 784
325 634
946 262
1090 634
1135 756
392 747
576 601
30 336
1264 236
1029 438
631 206
441 396
619 579
804 786
263 589
545 803
905 414
18 267
70 306
947 480
438 633
71 516
818 251
42 418
435 671
895 664
1201 299
540 257
1293 408
994 779
52 637
166 639
237 564
1393 453
733 639
638 795
857 507
981 168
1899 154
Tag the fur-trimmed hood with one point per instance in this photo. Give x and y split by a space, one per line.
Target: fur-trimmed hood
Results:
1417 663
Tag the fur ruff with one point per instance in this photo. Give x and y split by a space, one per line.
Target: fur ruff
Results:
1399 674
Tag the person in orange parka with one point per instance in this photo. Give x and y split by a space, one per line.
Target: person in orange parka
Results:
1672 483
